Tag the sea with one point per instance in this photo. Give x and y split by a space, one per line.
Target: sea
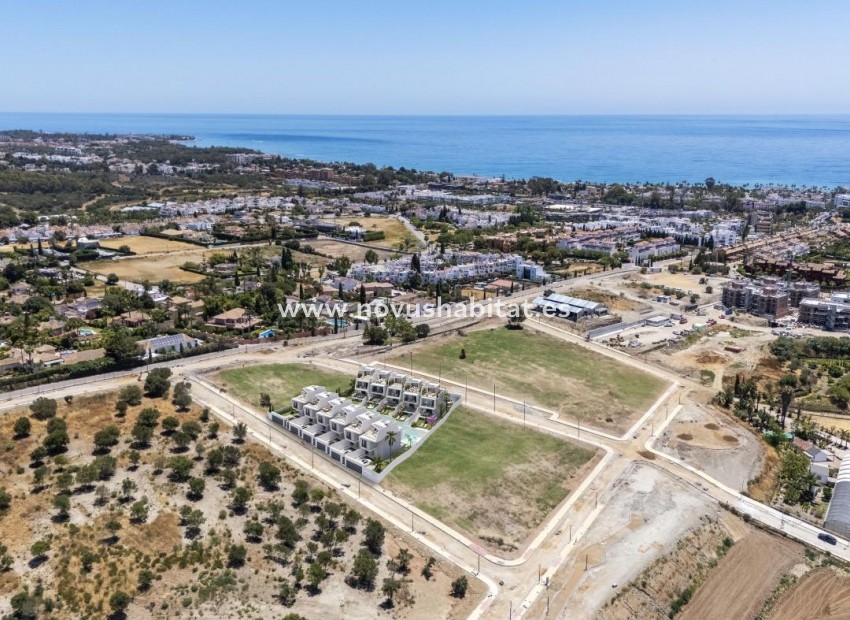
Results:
740 150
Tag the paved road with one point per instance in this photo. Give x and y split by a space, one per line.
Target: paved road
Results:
514 584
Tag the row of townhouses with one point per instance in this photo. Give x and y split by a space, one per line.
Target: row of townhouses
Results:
387 413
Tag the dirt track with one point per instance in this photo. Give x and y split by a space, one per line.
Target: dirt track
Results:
742 580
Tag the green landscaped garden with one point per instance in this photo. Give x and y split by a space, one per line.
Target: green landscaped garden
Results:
280 381
527 365
490 478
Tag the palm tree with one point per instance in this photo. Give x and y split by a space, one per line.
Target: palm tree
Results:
391 439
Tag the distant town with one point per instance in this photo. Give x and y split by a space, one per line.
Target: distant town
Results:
661 383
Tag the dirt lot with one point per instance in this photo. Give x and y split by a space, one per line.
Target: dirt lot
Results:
823 593
649 595
614 302
147 245
152 269
709 440
742 580
646 513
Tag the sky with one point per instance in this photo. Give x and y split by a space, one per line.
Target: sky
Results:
433 57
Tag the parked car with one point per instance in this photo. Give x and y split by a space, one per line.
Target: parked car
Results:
827 538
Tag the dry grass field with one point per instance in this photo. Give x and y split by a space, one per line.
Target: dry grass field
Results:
152 269
356 253
498 492
147 245
544 371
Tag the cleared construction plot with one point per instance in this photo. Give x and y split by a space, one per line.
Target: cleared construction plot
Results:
147 245
491 479
646 511
544 371
280 381
714 443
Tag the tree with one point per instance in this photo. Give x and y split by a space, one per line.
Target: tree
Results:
374 536
127 489
269 475
5 500
253 530
25 605
180 467
402 561
301 492
390 587
131 394
141 434
121 408
427 570
62 503
192 429
43 408
22 427
39 549
181 440
365 569
371 256
139 511
170 424
56 441
157 383
287 597
196 488
112 526
422 330
315 575
121 345
148 417
107 437
265 401
240 431
146 578
459 587
516 316
119 601
236 555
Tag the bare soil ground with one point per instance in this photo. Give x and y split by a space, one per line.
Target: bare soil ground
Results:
742 580
649 595
823 593
615 303
711 441
646 513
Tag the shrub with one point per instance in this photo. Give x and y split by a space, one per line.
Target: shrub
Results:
43 408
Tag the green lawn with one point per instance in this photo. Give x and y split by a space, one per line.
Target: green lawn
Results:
280 381
490 478
542 370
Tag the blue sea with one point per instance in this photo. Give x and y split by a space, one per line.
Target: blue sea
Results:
787 150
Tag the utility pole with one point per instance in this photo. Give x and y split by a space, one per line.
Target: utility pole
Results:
494 397
523 416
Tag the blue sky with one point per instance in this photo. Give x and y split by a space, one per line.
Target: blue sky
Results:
434 57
